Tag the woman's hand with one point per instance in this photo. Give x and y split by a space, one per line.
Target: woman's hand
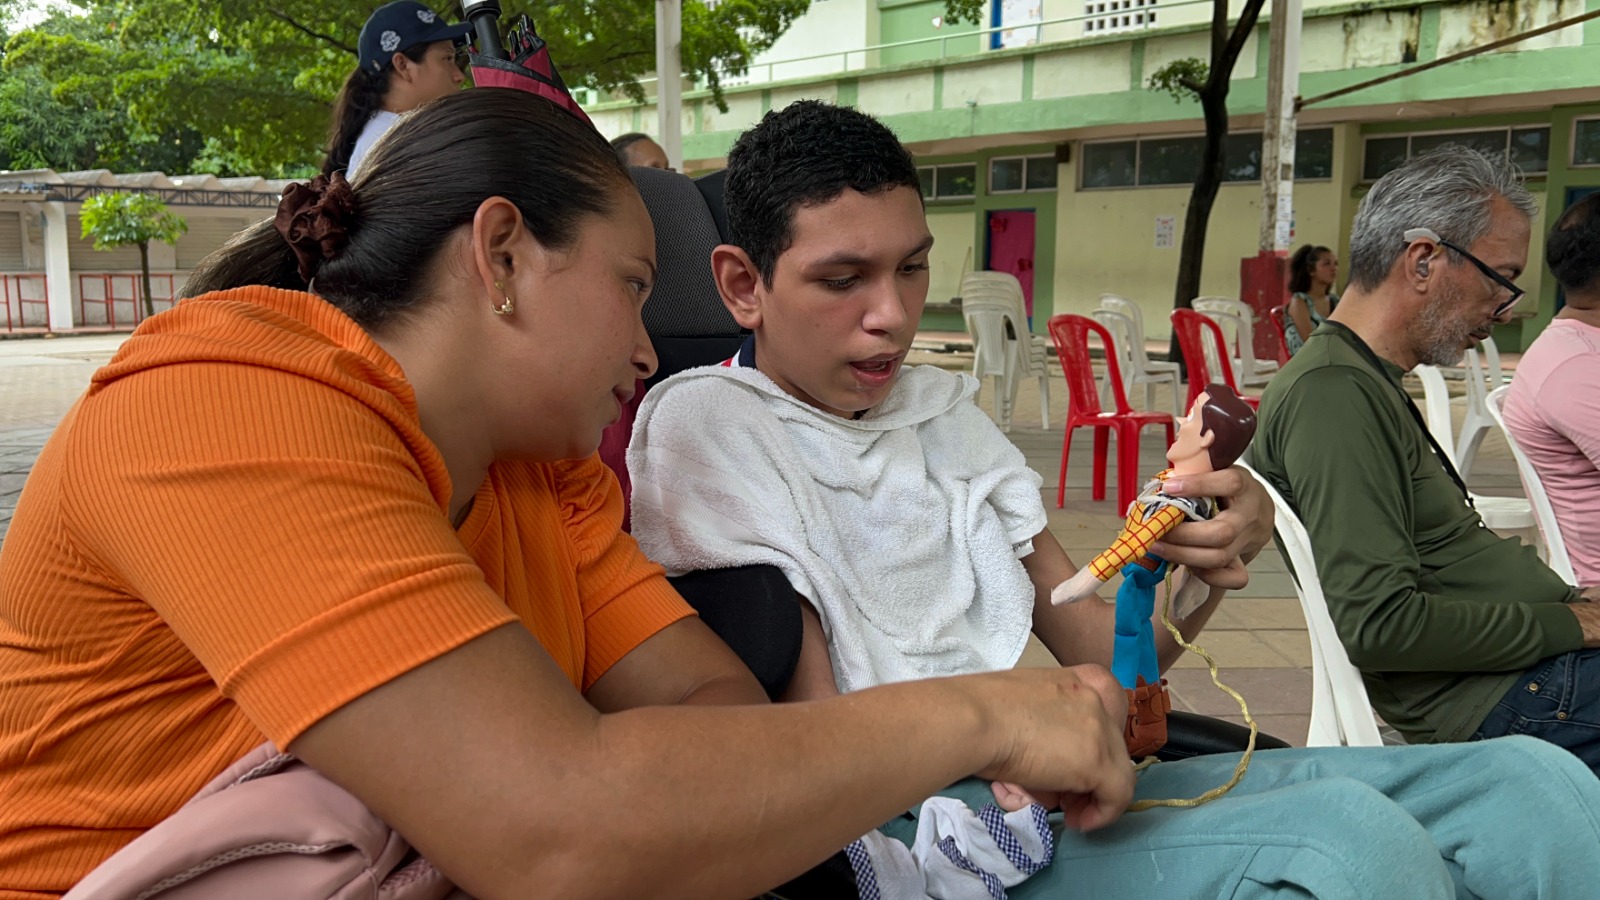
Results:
1217 551
1073 742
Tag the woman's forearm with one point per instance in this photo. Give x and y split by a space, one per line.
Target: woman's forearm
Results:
499 773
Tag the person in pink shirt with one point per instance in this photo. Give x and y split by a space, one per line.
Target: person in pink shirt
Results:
1553 409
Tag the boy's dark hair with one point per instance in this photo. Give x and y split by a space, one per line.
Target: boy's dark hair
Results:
805 155
1300 266
1231 422
1573 249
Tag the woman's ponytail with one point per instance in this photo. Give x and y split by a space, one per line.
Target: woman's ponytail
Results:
361 96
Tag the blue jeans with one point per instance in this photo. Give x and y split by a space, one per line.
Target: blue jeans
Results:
1505 819
1557 700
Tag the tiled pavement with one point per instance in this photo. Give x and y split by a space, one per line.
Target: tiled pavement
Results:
1258 636
39 381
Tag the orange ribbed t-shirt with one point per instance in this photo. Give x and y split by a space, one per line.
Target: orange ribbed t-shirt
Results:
240 528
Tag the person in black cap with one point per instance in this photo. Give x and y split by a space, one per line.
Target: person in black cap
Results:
408 57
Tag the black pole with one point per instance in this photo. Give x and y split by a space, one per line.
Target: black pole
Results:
485 18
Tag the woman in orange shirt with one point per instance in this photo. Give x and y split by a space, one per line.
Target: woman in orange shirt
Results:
347 501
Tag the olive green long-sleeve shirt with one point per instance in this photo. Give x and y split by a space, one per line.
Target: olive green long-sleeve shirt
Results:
1439 613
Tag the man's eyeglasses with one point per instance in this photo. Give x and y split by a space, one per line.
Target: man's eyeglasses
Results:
1416 234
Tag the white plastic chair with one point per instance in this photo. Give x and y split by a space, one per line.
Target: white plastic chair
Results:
1483 375
1341 713
1555 546
991 303
1238 323
1499 513
1129 348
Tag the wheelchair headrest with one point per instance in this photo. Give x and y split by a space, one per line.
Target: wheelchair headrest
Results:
684 316
684 301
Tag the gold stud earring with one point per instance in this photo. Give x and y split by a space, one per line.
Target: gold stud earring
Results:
506 308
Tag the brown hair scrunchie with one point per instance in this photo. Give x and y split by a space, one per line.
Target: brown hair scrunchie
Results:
315 219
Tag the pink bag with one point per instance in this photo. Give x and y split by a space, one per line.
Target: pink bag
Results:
268 828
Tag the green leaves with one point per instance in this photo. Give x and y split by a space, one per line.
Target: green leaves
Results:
1181 78
122 219
246 87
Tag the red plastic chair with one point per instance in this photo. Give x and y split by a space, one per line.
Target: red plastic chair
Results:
1276 315
1071 336
1190 327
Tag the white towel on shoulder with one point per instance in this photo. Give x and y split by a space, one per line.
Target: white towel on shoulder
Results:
904 528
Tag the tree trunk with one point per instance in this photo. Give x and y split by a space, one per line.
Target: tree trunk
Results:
1201 199
144 269
1192 252
1226 45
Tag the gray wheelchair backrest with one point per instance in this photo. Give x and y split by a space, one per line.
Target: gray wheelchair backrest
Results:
684 315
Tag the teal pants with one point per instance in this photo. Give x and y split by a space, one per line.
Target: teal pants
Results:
1507 818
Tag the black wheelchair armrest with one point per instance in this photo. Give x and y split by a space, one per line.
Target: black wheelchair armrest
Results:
756 612
1190 735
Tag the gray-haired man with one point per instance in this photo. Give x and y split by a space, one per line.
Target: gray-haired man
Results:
1460 634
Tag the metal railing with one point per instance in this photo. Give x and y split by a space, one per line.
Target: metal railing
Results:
26 296
115 298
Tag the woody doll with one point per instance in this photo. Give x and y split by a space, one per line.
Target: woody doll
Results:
1216 431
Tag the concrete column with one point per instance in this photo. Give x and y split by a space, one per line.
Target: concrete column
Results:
1278 137
669 79
57 266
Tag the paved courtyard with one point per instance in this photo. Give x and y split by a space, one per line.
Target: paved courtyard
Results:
1258 636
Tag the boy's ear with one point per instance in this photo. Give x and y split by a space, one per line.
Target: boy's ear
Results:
739 283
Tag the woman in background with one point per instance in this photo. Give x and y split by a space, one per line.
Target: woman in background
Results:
408 57
1312 273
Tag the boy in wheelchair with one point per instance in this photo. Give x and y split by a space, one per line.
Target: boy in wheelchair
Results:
915 535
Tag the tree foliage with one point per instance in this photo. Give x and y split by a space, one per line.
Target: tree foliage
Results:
125 219
244 87
1183 79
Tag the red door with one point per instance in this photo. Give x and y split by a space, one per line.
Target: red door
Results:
1011 249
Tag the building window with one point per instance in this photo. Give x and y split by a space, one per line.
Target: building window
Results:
957 181
1041 173
1169 160
1014 174
1383 155
1313 154
1152 162
1586 142
1528 147
1005 175
1241 157
1110 164
1113 16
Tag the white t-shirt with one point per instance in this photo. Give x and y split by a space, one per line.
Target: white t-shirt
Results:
376 127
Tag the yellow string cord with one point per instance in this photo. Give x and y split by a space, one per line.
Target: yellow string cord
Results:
1250 745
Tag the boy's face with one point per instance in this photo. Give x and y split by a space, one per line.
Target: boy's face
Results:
845 300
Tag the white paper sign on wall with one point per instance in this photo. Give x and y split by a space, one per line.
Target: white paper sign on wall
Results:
1166 232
